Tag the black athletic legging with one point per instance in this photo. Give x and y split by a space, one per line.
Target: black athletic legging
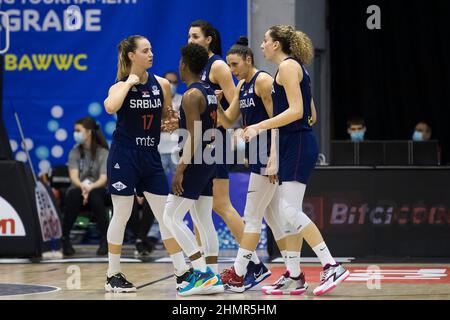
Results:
73 204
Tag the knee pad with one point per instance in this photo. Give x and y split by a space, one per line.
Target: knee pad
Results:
253 224
167 219
278 224
295 216
165 231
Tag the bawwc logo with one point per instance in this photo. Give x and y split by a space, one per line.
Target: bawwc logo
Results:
10 223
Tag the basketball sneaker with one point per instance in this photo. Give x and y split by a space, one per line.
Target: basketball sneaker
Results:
141 250
231 281
118 284
202 283
183 280
330 277
256 273
287 285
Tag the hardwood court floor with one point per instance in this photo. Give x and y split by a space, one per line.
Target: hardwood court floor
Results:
84 281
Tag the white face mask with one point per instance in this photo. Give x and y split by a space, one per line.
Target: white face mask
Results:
79 137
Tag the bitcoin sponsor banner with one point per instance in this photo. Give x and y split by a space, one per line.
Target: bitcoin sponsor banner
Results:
381 212
63 56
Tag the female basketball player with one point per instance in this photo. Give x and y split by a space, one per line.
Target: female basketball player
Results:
294 115
218 75
138 99
253 101
193 180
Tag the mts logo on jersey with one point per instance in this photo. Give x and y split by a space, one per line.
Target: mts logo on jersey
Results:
10 223
146 141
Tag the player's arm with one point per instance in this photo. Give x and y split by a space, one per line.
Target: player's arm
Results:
193 101
313 112
118 92
165 85
226 118
221 74
263 89
290 75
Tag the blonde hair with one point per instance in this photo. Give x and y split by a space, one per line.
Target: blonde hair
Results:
293 42
124 63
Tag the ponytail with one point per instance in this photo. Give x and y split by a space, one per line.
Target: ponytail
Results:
302 47
124 63
216 43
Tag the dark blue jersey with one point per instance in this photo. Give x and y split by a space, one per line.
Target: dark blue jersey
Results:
139 118
251 105
205 78
209 116
253 111
280 102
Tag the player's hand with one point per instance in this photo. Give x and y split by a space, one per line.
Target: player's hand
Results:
140 200
273 179
177 184
250 132
133 80
219 94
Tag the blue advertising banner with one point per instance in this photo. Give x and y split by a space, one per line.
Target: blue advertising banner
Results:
63 59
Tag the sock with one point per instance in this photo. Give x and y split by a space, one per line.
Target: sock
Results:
324 254
114 264
255 258
199 264
243 258
214 267
293 263
179 263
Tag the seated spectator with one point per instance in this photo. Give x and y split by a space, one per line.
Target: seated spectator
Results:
356 128
422 132
87 170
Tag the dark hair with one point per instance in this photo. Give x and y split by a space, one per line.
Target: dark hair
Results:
242 49
195 57
98 139
124 63
209 31
357 121
426 124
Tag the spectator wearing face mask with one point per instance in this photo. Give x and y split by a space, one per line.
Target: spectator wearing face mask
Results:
87 170
356 128
422 132
169 141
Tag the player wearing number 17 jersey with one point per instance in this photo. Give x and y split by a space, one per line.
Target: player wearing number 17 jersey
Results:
134 164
